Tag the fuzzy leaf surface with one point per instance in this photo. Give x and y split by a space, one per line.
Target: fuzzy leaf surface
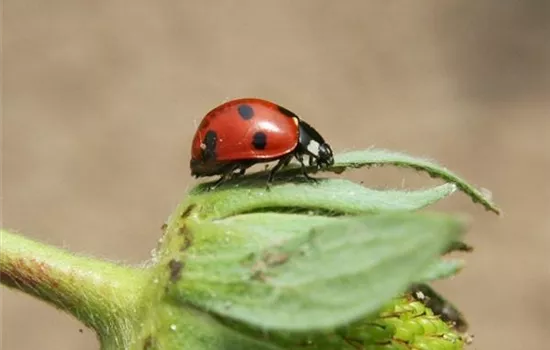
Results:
356 159
441 269
365 261
380 157
332 195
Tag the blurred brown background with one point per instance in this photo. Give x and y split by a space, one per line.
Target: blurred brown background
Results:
101 99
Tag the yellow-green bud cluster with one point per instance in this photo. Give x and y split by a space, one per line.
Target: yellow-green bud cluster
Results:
405 324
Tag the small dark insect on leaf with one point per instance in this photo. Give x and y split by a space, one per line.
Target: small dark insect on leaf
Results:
188 211
439 306
175 267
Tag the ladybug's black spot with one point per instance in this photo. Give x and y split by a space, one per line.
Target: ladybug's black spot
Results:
259 140
246 112
209 146
287 112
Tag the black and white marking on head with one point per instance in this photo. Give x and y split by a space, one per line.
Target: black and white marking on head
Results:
310 139
314 144
313 147
259 140
208 145
245 111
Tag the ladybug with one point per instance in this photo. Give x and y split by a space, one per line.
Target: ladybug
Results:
240 133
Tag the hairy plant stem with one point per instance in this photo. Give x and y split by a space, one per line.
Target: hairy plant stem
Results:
101 294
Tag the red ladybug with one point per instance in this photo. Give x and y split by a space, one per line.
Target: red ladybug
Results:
240 133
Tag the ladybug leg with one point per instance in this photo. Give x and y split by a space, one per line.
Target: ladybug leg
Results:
238 172
283 162
304 170
287 162
228 173
221 180
242 167
241 171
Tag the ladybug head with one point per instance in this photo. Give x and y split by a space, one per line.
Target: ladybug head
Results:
325 156
314 144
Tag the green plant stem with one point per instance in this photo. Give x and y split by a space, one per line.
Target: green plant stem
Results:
87 288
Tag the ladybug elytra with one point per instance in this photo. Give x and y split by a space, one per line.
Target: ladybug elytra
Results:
240 133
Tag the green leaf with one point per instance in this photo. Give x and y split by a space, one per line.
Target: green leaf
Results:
357 159
332 195
327 276
441 269
380 157
171 326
